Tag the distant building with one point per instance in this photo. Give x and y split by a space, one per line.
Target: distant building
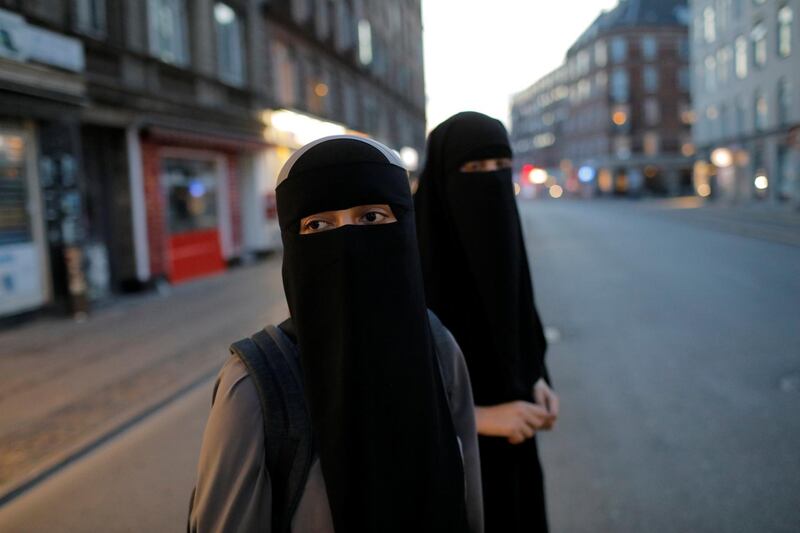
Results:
615 117
140 140
746 97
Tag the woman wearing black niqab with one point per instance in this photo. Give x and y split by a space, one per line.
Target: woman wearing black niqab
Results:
387 446
478 282
385 385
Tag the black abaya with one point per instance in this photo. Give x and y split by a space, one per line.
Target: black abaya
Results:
478 282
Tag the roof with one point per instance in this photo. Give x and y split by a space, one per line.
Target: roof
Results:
634 13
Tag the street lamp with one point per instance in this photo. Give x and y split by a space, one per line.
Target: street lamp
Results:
538 176
722 157
410 158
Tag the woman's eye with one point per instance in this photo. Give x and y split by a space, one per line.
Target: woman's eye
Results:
315 225
373 217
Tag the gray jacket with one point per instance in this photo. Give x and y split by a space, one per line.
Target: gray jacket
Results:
234 493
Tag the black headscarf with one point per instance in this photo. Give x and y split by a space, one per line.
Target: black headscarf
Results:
387 444
474 261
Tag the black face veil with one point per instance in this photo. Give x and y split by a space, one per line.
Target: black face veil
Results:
386 440
474 261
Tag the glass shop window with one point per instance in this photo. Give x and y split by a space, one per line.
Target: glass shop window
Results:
191 187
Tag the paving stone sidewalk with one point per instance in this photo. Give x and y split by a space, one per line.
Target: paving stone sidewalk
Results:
64 385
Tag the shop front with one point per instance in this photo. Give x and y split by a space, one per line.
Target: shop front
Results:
42 208
192 196
23 274
193 186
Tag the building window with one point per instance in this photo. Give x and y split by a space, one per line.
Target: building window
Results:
649 46
762 111
344 34
758 36
786 181
650 79
785 17
584 89
709 25
370 114
686 113
651 143
284 74
90 17
350 105
619 49
301 76
364 42
301 10
684 81
784 101
723 15
741 117
724 121
622 146
191 187
683 48
601 79
723 64
619 85
230 45
600 54
711 73
583 60
736 9
322 19
167 24
652 112
15 218
741 57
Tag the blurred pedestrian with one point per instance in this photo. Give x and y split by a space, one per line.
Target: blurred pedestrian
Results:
478 282
380 384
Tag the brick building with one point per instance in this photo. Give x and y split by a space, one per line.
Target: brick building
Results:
615 117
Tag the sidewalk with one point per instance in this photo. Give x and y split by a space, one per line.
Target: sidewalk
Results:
64 386
759 220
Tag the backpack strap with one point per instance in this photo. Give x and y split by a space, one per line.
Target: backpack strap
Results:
288 440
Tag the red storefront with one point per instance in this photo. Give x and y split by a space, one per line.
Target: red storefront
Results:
191 184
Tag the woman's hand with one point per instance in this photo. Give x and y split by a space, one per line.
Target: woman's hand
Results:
546 398
517 421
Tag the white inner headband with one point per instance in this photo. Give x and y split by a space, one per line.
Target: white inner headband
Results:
391 156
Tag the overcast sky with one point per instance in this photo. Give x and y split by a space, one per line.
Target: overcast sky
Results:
478 53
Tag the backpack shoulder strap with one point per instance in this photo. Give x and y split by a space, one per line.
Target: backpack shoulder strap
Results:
288 440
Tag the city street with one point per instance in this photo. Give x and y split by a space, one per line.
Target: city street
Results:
675 348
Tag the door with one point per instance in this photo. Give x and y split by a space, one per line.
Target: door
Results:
194 246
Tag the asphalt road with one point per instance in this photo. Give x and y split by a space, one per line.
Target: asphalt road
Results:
678 368
677 360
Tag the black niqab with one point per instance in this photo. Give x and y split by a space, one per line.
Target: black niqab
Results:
387 444
478 282
474 261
